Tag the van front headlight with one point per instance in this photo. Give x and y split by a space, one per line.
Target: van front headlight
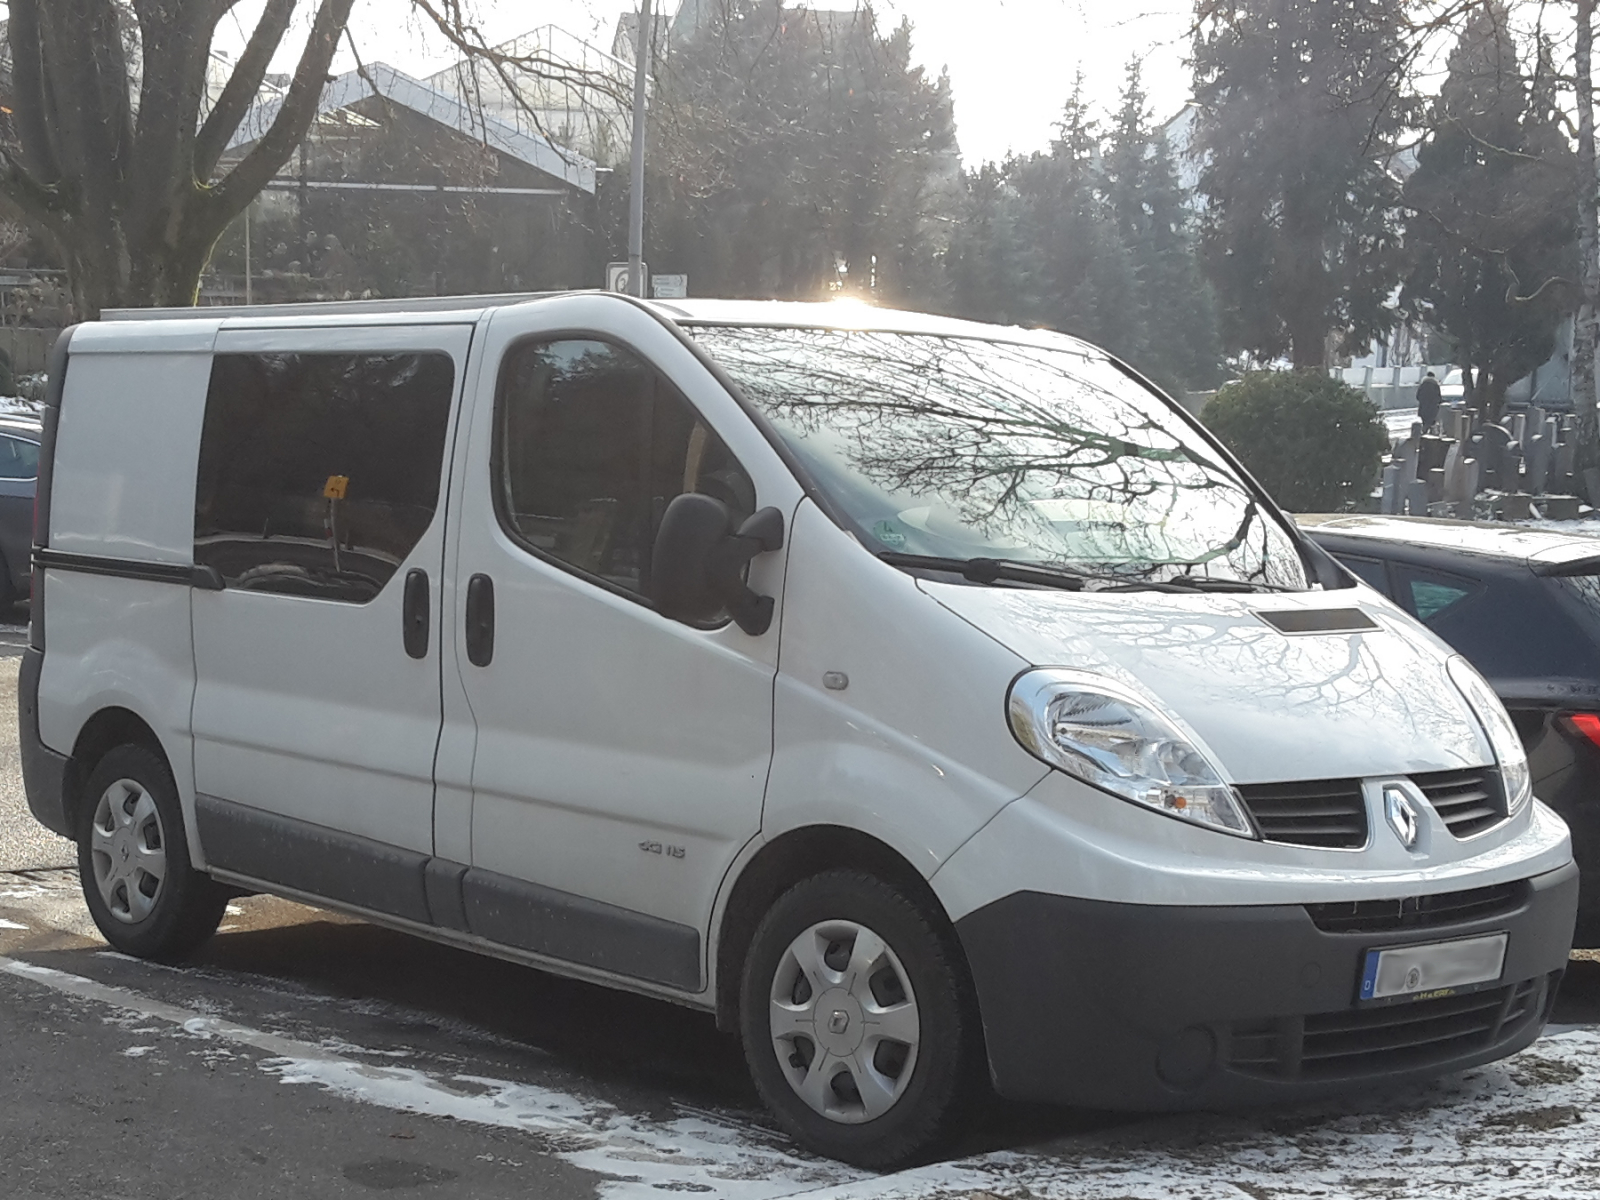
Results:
1109 736
1515 776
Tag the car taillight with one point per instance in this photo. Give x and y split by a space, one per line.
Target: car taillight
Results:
1587 724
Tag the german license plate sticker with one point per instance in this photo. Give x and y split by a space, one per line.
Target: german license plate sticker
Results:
1435 969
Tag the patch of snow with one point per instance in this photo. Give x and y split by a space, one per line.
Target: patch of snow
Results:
137 1051
1520 1129
5 924
641 1156
335 1045
1586 526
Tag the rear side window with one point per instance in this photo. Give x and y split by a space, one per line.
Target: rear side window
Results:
1370 570
591 444
1431 593
319 473
19 458
1585 588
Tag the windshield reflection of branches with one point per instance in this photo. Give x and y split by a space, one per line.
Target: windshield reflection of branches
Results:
964 447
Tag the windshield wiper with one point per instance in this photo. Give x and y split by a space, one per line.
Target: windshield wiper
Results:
1208 583
989 570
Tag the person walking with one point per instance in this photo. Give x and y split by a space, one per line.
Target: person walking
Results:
1428 400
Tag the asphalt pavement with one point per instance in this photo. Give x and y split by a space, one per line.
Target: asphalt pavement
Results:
305 1054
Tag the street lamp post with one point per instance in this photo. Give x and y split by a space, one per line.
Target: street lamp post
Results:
641 72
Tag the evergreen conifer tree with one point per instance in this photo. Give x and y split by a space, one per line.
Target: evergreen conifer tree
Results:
797 151
1492 239
1154 222
1300 121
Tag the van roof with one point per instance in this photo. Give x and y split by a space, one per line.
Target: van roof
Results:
837 314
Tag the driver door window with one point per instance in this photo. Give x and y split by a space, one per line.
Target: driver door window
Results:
591 445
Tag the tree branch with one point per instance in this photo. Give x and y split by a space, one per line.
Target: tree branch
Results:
38 201
243 85
230 196
28 89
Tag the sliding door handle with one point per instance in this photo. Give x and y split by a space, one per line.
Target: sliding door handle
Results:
480 620
414 613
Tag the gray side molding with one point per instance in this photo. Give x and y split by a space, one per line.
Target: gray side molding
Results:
380 878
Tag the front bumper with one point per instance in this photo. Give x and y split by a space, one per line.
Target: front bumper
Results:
1154 1007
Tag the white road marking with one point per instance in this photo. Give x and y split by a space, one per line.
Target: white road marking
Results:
1523 1128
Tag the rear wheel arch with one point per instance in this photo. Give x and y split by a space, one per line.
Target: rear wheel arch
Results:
783 862
102 733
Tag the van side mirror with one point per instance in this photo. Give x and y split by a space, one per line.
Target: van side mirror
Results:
697 566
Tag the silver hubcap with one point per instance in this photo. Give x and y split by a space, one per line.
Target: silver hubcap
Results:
129 851
844 1021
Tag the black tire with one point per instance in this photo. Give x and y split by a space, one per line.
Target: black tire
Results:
946 1073
168 921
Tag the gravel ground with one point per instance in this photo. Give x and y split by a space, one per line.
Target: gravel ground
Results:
24 843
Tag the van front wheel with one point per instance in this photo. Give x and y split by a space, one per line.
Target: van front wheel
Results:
857 1021
133 861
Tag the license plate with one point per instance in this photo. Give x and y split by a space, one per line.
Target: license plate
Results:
1437 969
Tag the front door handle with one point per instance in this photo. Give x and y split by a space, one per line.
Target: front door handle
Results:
414 613
480 620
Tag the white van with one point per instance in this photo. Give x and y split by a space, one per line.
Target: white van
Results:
936 703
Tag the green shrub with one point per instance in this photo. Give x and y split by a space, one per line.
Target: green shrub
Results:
1312 441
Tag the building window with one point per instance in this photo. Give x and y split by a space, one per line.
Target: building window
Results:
319 473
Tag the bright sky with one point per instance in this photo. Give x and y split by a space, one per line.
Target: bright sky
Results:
1011 62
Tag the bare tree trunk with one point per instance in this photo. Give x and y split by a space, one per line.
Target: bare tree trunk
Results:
1586 330
1308 341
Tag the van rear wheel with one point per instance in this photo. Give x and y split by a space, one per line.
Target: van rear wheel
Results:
858 1022
133 861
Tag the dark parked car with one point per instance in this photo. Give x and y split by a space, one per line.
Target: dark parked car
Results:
19 469
1523 605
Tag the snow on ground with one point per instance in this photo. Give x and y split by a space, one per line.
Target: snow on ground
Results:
1527 1128
1523 1129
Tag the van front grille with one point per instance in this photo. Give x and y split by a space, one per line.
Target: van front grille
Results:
1467 801
1332 813
1417 912
1377 1041
1329 813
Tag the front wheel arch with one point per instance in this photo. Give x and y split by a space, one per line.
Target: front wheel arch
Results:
783 862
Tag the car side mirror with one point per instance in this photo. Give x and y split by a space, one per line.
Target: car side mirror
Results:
697 566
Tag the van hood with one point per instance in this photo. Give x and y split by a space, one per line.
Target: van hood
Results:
1270 706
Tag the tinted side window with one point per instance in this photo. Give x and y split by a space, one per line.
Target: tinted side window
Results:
19 458
1370 570
1584 588
319 473
1430 593
591 444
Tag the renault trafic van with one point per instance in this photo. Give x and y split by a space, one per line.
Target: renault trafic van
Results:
936 703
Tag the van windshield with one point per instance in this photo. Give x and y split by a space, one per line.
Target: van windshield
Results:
964 448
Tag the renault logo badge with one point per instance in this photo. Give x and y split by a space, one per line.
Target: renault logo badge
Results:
1401 815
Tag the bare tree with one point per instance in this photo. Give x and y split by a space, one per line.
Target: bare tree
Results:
111 141
1584 332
